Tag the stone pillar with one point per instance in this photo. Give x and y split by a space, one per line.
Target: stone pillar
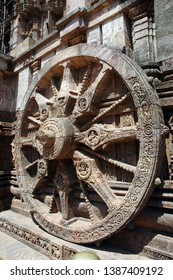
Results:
15 30
143 32
164 28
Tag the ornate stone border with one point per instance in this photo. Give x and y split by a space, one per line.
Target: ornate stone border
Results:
160 248
41 244
156 254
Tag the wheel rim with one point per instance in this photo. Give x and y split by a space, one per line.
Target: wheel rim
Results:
87 141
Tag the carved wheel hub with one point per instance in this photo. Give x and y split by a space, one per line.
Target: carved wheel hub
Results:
87 142
55 138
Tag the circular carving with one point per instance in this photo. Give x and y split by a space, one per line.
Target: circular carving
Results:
83 170
148 129
44 112
61 101
42 167
119 217
93 137
88 144
82 104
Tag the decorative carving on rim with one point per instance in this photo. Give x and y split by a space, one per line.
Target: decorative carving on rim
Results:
92 152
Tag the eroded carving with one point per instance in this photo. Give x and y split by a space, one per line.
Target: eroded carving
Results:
52 250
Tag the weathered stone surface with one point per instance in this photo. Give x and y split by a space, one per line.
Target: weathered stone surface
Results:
24 75
71 5
164 26
115 32
94 35
143 32
72 26
16 250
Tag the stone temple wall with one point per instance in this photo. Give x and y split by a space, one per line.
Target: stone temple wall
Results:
111 63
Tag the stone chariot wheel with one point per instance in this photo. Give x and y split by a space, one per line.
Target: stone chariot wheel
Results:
87 143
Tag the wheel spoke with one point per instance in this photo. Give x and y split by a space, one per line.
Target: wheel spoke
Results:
34 120
63 98
86 79
40 99
94 218
117 163
88 171
31 164
84 101
100 135
44 105
27 141
30 141
63 195
105 112
63 180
